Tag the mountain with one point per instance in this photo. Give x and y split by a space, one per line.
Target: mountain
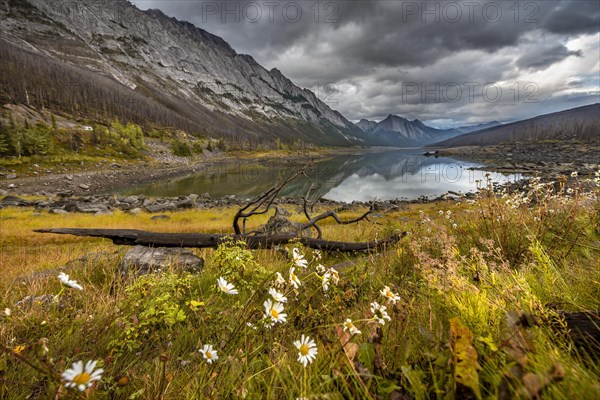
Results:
101 59
579 123
479 127
366 125
399 131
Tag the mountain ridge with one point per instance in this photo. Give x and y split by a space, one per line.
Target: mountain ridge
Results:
579 123
178 67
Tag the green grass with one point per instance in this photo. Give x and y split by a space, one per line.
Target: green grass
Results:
481 264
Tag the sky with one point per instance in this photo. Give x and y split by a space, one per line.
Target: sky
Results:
447 63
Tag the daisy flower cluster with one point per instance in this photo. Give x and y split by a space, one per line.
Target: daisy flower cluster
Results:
274 306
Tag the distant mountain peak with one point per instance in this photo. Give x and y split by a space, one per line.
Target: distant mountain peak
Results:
395 130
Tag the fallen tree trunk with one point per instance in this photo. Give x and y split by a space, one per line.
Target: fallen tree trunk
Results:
133 237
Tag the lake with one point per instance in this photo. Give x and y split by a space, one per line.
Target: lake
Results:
362 176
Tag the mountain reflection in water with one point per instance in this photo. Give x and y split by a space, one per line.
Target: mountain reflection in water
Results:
398 174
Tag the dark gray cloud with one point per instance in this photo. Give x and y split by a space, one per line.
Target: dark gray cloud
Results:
544 57
372 51
573 17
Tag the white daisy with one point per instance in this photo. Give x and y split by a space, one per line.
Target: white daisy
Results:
320 268
317 254
226 287
279 281
64 278
389 295
80 377
379 313
299 259
210 354
7 312
277 296
349 326
335 276
325 283
307 350
274 311
294 278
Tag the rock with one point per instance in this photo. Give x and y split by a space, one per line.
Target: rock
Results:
161 207
14 201
10 176
279 224
58 211
205 196
135 211
27 302
159 217
142 260
84 186
129 200
12 186
123 206
69 177
3 192
186 203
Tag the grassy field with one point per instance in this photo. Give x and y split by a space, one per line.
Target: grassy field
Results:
475 295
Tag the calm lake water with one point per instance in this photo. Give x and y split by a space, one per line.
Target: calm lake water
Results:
386 175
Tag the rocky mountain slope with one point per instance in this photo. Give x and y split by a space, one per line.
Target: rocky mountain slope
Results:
399 131
108 58
580 124
478 127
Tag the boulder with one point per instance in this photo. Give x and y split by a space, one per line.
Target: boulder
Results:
129 200
161 207
185 203
14 201
141 260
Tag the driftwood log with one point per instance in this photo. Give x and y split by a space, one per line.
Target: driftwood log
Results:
132 237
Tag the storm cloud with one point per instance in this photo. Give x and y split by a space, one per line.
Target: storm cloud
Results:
447 63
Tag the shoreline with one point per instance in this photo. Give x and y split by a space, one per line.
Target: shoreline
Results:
117 176
548 160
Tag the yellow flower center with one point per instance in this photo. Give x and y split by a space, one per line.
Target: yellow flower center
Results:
208 355
388 293
274 313
82 379
304 349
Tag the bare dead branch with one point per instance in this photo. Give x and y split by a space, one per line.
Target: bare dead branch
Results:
265 201
332 214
